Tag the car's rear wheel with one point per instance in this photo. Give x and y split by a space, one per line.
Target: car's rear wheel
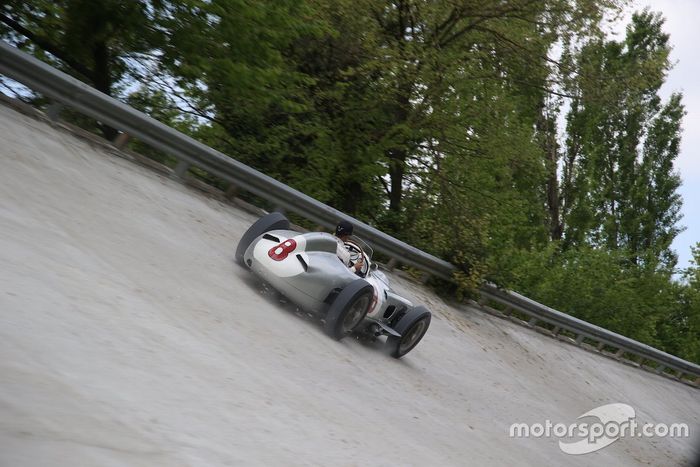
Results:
272 221
412 326
349 309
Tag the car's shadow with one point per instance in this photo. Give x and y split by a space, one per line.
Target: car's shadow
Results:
272 296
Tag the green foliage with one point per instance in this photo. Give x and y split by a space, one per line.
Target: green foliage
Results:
93 40
578 281
227 59
679 331
603 287
90 39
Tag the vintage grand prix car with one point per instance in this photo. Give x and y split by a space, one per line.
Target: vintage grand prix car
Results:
305 268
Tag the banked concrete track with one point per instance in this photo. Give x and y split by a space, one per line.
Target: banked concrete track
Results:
128 337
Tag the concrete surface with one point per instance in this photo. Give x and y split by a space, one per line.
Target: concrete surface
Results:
128 337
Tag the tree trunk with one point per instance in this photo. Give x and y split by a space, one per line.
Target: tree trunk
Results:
102 80
547 130
397 161
555 226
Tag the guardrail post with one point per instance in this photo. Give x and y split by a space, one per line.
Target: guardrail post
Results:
231 191
660 369
619 353
53 111
391 265
579 339
181 169
121 140
533 321
424 278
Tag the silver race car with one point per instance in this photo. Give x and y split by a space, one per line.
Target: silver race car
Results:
305 268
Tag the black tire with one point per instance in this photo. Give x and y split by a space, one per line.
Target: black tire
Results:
349 308
272 221
412 326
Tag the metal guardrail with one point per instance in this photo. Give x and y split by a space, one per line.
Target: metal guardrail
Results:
71 92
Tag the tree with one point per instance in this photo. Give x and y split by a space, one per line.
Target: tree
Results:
93 40
226 60
444 98
619 185
679 331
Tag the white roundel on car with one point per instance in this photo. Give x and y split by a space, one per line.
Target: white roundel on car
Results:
280 258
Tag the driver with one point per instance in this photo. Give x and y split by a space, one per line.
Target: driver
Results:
342 232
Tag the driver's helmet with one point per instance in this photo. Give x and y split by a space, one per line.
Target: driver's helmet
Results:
343 228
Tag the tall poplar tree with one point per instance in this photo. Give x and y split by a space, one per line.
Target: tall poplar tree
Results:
620 188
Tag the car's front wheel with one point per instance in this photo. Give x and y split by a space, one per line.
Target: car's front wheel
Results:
349 309
412 326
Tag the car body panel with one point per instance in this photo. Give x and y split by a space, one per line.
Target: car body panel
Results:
308 287
306 269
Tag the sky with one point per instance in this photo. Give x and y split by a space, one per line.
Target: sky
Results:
681 23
